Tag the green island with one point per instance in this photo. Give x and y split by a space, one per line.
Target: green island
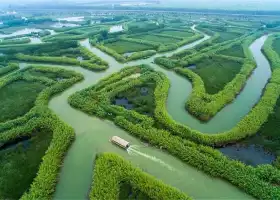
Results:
156 103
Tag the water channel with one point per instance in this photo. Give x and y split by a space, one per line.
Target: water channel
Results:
93 134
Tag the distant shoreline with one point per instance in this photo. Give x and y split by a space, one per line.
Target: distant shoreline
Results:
149 9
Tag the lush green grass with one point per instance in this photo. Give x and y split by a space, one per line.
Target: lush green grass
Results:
17 98
183 34
20 163
216 72
156 38
236 51
276 45
122 47
143 102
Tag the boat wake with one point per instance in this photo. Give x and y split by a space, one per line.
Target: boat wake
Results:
133 150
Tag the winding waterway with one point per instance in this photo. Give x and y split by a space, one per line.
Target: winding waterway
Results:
92 134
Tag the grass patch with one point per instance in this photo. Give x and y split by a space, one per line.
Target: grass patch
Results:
156 38
182 34
20 163
17 98
122 47
216 72
236 51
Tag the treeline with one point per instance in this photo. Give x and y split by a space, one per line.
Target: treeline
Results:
112 19
143 27
15 41
168 36
253 181
111 52
92 57
167 62
169 47
248 126
40 49
111 171
61 53
73 34
271 54
259 182
274 60
141 55
11 67
61 60
155 45
120 58
21 21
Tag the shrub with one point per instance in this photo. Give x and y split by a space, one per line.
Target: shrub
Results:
40 116
141 55
165 48
111 171
15 41
111 52
166 62
204 105
96 101
61 60
11 67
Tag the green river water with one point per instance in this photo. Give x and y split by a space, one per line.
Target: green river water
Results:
93 134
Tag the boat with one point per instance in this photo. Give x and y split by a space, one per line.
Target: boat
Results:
120 142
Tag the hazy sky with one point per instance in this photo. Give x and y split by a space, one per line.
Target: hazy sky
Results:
227 4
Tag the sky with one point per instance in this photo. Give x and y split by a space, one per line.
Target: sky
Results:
218 4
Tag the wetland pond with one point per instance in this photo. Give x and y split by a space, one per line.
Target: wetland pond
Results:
93 134
92 137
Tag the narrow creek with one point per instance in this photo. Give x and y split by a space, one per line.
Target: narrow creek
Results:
93 134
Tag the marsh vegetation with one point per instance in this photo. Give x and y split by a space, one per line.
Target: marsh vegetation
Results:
137 76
